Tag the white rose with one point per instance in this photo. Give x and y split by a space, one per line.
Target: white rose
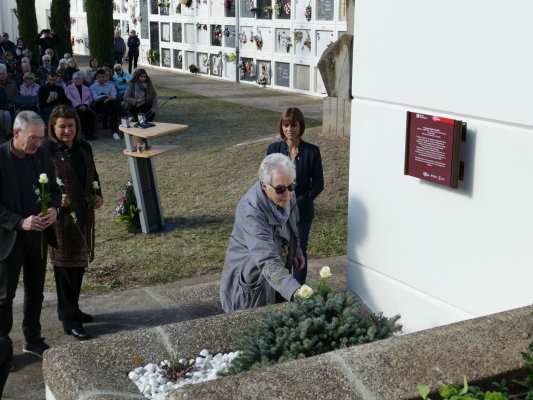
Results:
43 179
325 272
36 191
96 186
305 292
59 182
74 216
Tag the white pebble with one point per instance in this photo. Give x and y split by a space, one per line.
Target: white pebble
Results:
204 353
153 385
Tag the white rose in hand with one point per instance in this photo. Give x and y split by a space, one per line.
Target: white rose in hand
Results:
43 179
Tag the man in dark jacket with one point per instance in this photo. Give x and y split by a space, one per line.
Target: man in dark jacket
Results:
51 95
47 40
133 50
25 230
6 45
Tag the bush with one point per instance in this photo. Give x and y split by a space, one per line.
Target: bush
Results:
307 327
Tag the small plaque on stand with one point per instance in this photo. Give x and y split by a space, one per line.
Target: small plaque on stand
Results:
432 148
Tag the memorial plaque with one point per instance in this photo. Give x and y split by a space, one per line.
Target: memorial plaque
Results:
165 57
165 32
432 148
283 74
325 10
178 59
176 32
229 36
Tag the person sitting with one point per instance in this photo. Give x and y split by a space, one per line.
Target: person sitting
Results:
81 99
5 115
51 95
91 72
34 64
263 247
45 69
27 100
19 74
10 63
10 88
105 100
62 65
19 49
59 79
72 67
121 79
55 61
140 96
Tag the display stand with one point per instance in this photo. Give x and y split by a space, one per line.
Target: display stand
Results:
140 153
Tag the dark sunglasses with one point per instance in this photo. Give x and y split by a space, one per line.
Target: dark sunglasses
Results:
282 189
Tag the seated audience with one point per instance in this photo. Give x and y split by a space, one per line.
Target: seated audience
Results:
121 79
51 95
72 66
91 72
140 95
27 100
5 115
81 99
105 101
43 71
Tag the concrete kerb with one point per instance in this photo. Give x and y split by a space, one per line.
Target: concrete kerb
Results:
481 348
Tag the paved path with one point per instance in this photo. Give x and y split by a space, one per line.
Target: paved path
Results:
153 306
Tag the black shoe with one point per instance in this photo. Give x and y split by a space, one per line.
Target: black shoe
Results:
84 317
78 333
35 348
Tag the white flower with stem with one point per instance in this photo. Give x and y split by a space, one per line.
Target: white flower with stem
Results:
304 292
96 185
43 179
325 274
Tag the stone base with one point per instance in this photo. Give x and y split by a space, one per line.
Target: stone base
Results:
336 116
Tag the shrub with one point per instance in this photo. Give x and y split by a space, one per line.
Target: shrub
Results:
307 327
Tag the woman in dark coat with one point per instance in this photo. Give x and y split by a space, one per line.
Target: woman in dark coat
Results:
309 174
80 186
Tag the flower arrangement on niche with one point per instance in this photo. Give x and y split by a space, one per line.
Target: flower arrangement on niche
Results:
287 7
226 32
229 4
262 80
267 10
217 33
308 11
242 37
232 58
307 42
277 7
186 3
258 41
298 36
250 5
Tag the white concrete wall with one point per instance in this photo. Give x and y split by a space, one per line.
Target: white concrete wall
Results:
8 20
432 254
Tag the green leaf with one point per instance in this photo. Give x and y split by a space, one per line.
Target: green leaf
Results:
423 390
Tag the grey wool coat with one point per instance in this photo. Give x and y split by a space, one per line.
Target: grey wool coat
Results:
258 260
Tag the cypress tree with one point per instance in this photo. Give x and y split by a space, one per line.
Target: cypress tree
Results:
60 23
28 24
100 26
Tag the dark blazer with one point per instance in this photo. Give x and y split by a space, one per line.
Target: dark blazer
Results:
309 175
10 213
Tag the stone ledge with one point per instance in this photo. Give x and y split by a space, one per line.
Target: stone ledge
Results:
389 369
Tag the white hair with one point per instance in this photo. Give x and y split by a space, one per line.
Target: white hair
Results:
25 118
276 163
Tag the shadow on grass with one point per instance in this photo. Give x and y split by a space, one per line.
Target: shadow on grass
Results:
185 222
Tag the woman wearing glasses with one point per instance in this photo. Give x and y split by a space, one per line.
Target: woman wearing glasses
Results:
309 174
263 247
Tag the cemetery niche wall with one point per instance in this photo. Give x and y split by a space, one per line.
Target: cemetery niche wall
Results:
280 41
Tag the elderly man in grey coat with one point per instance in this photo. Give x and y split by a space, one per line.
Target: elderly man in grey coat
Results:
263 246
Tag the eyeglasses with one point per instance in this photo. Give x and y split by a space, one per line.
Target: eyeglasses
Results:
282 189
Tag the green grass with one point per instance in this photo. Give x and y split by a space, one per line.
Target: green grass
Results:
200 184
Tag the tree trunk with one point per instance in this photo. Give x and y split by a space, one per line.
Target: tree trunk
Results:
100 26
60 23
27 19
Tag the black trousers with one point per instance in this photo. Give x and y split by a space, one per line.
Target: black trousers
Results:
6 357
144 109
132 60
68 286
87 121
25 255
113 109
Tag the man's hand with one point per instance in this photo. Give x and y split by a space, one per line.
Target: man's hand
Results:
98 201
33 223
50 218
299 262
